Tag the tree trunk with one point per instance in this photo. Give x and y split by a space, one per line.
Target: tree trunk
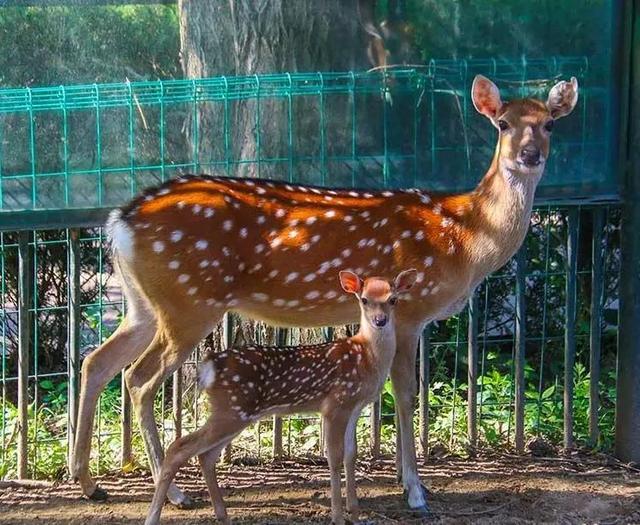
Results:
237 38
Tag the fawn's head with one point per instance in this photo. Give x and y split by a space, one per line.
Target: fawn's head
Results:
524 125
377 296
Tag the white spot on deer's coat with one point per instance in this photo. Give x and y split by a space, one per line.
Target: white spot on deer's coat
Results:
346 252
329 214
310 220
313 294
261 219
183 278
192 290
243 233
262 297
280 212
227 225
291 277
158 246
176 236
208 212
276 242
174 265
201 245
428 261
330 294
309 277
259 248
196 209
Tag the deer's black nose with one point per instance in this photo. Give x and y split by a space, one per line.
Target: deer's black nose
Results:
379 320
530 155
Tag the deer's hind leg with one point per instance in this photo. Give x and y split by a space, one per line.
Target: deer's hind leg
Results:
170 347
129 341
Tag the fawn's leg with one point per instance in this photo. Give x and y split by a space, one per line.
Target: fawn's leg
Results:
403 377
336 425
130 339
164 356
208 462
199 442
350 454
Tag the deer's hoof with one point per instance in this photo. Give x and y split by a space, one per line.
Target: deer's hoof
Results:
99 494
186 504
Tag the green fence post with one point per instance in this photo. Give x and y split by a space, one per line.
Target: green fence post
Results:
73 361
24 341
570 325
628 389
424 391
520 347
472 375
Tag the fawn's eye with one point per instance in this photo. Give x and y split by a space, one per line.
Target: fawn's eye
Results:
393 301
364 300
549 126
503 125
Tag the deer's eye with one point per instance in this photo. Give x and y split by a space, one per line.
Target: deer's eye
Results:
503 125
364 300
549 126
393 301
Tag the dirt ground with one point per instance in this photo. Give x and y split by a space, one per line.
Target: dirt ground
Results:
489 490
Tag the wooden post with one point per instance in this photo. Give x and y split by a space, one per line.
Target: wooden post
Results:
177 402
521 319
73 359
424 391
125 430
375 420
472 375
24 342
282 336
227 336
570 325
595 334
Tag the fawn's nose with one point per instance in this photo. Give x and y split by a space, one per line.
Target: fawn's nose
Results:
530 155
379 320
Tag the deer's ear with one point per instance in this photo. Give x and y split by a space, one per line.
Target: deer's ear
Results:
350 282
486 97
405 280
563 98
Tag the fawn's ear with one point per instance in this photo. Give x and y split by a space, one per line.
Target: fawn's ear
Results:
405 280
563 98
350 282
486 97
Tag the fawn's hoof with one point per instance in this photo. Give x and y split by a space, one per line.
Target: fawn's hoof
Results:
99 494
186 504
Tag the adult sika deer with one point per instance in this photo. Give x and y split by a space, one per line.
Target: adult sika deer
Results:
336 379
196 247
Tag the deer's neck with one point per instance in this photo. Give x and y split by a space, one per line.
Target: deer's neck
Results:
500 217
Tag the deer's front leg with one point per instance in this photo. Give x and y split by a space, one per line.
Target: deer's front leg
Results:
403 377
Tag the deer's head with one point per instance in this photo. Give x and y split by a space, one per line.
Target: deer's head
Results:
377 297
524 125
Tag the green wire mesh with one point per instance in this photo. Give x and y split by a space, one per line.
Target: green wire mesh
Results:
95 146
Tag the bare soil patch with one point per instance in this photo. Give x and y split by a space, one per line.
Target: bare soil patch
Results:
488 490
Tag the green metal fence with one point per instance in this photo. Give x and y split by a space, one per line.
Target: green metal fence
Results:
68 154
